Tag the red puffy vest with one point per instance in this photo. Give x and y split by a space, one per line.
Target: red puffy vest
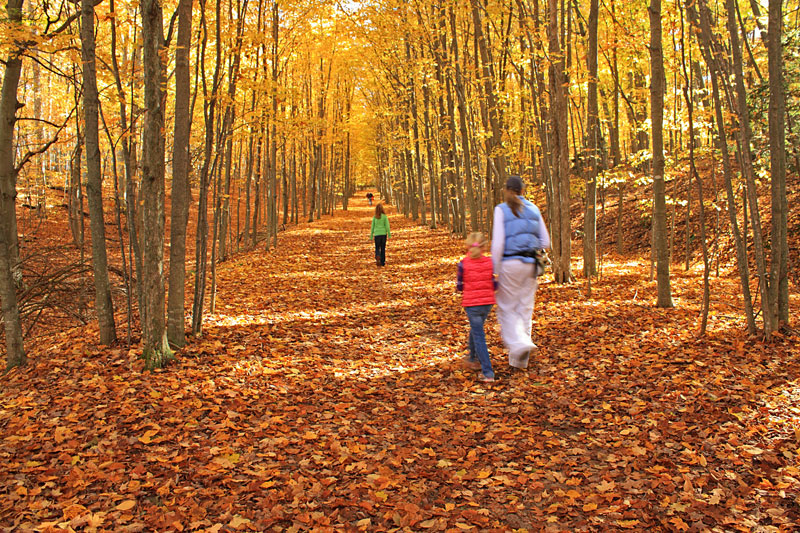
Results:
478 281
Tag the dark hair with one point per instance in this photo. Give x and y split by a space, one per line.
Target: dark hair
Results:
379 211
515 184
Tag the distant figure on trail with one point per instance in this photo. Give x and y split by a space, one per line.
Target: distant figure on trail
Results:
476 284
380 232
519 235
370 197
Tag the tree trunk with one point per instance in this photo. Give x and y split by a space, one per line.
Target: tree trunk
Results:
687 229
660 241
313 173
674 217
429 149
129 160
745 136
295 203
445 146
285 184
248 181
273 151
562 243
420 185
38 93
620 204
495 119
616 155
693 173
126 274
259 165
15 351
156 348
722 145
304 179
462 116
104 306
176 326
75 194
212 301
593 134
209 110
779 263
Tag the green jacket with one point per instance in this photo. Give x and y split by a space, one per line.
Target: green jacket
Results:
380 226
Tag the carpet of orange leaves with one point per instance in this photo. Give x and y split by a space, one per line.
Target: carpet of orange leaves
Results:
326 394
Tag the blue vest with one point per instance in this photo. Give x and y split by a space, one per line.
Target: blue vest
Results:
522 232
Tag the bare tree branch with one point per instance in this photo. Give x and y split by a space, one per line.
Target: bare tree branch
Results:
27 157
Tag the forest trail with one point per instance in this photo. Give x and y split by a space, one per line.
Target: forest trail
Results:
330 308
326 394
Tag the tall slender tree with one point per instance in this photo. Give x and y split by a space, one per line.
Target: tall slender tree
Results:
693 174
657 81
15 351
156 347
700 19
592 145
176 326
560 220
497 153
779 264
745 135
104 306
209 111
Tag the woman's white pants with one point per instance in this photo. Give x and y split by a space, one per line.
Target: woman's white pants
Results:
516 293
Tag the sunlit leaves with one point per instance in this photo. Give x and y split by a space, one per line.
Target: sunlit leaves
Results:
327 394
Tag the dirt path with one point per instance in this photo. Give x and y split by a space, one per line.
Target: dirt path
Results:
326 394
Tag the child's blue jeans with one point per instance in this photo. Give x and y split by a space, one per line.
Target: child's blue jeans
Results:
477 337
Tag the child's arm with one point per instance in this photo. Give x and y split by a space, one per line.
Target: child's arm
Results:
494 278
460 277
372 229
388 231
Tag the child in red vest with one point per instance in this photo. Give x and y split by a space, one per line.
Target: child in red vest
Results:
477 284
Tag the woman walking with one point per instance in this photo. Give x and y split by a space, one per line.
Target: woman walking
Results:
518 232
380 232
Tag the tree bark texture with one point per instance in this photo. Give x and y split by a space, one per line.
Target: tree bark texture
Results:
701 20
745 136
592 145
104 307
779 263
176 326
154 334
560 218
15 351
660 238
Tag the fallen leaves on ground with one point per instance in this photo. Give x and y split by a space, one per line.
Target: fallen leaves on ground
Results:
326 394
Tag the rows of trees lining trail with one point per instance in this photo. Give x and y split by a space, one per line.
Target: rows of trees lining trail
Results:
591 97
240 111
256 114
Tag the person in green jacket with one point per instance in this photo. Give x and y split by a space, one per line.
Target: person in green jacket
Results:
379 232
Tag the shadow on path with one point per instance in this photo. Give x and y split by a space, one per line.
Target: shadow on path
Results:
327 394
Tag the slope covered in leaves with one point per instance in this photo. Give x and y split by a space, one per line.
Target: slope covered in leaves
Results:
326 394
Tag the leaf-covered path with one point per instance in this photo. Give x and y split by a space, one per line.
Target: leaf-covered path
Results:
326 394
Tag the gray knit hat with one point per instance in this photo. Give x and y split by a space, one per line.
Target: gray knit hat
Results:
514 183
